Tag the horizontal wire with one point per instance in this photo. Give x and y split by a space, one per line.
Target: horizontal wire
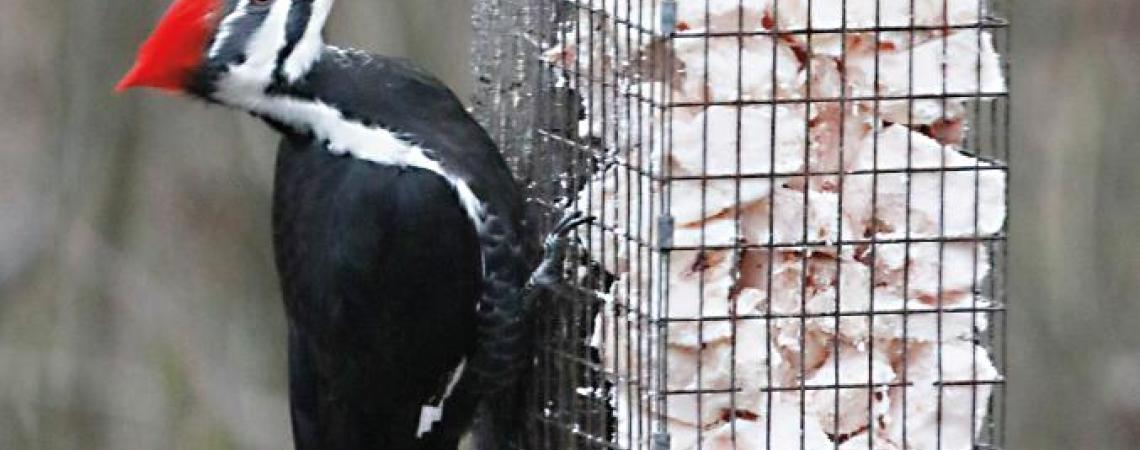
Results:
986 23
853 98
574 429
877 313
607 159
830 387
605 82
814 245
642 245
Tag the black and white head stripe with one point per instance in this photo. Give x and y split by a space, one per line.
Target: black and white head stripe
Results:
307 47
261 42
275 40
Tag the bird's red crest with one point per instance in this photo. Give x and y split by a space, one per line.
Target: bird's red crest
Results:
175 48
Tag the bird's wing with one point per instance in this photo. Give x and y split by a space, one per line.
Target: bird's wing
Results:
413 104
381 273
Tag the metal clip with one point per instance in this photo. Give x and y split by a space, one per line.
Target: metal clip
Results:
664 232
668 17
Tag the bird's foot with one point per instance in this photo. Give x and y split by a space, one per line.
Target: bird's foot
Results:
554 248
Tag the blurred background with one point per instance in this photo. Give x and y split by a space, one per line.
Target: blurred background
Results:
138 303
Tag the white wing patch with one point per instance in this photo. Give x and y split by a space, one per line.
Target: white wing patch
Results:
432 414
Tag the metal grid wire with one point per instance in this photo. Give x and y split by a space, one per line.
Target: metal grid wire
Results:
584 98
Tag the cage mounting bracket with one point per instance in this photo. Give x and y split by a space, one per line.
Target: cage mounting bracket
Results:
665 231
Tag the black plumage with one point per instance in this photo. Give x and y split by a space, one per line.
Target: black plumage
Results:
380 270
388 283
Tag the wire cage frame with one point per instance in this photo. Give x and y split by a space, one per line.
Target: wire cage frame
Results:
801 211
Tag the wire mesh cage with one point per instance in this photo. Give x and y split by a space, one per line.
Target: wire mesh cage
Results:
801 209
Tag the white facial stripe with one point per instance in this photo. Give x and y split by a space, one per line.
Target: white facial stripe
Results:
346 136
308 49
225 29
262 49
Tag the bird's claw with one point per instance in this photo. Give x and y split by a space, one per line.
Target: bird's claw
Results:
570 221
550 271
555 245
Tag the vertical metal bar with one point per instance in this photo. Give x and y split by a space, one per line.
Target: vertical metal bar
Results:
544 110
583 84
1007 156
770 250
940 266
804 266
907 228
737 250
704 184
665 236
874 232
841 168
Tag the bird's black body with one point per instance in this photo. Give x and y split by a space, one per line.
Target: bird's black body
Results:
380 269
388 284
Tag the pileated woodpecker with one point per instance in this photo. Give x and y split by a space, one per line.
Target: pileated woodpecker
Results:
397 225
